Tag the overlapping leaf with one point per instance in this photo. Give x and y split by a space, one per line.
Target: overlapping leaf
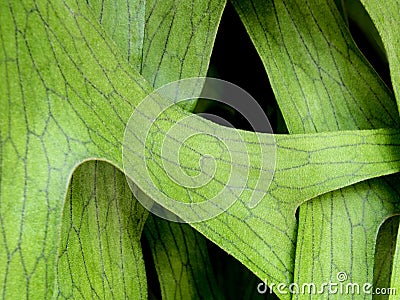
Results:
67 96
168 56
125 23
323 83
182 262
100 251
385 18
395 280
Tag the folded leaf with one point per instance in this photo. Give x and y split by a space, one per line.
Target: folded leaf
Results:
385 252
385 17
322 82
100 252
395 282
181 259
67 97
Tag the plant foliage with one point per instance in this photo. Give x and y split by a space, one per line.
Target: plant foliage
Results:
72 73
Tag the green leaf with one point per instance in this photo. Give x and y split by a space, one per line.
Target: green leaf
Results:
166 22
323 83
319 77
100 253
179 36
178 41
247 234
169 56
67 96
181 259
384 254
385 18
395 281
89 264
124 22
53 118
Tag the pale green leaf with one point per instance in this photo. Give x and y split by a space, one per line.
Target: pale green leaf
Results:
67 96
168 57
320 79
323 83
100 252
178 40
384 255
385 16
53 118
123 21
165 23
166 60
181 260
395 280
246 233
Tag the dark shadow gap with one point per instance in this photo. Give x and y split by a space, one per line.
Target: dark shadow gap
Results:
235 59
153 284
366 37
234 279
